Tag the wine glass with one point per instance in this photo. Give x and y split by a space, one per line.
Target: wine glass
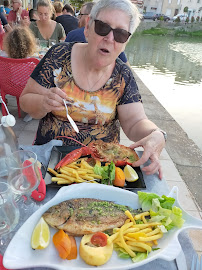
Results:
23 175
9 213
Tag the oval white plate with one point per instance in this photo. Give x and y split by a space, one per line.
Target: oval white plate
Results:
19 253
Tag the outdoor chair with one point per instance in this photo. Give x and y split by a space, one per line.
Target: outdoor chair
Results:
14 74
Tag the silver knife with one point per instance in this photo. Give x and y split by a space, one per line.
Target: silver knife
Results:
70 119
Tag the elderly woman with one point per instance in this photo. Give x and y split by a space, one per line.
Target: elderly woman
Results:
45 28
20 43
99 88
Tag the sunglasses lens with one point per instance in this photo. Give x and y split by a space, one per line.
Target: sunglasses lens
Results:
101 28
121 35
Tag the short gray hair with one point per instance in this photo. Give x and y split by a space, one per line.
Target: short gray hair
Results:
124 5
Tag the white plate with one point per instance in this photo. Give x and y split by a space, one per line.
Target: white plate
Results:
19 253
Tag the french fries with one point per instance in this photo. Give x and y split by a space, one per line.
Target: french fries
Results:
134 237
75 172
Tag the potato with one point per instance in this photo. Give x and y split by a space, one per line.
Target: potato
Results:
93 255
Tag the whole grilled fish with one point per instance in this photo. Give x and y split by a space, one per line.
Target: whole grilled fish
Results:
85 216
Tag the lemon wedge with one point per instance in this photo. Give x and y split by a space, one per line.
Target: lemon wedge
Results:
130 174
41 235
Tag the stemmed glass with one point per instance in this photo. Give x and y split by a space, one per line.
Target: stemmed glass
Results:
9 213
23 176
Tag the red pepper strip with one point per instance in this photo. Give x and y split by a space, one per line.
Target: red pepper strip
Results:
120 163
29 172
39 194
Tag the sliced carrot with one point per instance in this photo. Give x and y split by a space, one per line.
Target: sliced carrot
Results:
73 253
62 243
120 179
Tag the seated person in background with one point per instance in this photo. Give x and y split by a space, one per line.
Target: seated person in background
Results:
18 15
5 7
100 90
4 27
4 23
78 34
58 6
33 16
20 43
45 28
68 21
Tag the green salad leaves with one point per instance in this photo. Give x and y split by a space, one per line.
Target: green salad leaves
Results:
161 210
107 173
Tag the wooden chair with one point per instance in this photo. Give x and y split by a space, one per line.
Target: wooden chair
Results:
14 74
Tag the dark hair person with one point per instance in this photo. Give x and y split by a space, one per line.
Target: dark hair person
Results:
67 19
68 9
100 90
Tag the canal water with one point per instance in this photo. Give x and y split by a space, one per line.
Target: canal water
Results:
171 67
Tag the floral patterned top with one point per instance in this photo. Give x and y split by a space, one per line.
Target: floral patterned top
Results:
95 113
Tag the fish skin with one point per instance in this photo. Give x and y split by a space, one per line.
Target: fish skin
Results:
85 216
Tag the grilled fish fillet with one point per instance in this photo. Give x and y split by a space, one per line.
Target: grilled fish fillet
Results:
85 216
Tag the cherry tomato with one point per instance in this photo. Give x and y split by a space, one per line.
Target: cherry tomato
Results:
99 239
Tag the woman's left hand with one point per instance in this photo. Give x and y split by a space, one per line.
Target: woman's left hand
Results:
153 144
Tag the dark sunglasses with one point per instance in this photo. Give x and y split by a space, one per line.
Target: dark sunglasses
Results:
103 29
81 14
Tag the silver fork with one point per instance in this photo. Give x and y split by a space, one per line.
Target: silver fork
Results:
196 264
70 119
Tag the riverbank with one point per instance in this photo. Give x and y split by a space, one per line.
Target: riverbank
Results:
184 153
170 28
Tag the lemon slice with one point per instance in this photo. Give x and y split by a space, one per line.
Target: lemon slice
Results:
41 235
130 174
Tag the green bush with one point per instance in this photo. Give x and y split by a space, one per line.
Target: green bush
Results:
192 19
177 20
187 20
156 31
197 18
161 18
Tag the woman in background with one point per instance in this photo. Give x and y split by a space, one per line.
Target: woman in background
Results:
45 28
20 43
58 6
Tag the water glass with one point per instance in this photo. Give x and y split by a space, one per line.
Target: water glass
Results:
9 213
52 42
43 44
23 175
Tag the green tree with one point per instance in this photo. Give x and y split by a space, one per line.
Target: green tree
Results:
79 3
186 9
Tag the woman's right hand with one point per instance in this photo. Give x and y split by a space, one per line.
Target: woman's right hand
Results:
53 100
